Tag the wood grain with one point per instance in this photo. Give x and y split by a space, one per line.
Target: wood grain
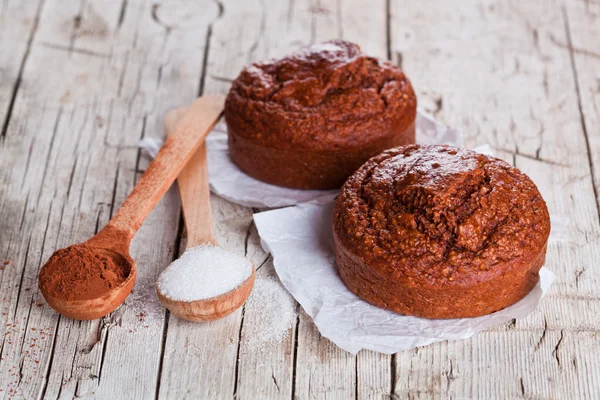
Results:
179 148
78 92
68 159
512 87
582 22
195 202
194 191
18 22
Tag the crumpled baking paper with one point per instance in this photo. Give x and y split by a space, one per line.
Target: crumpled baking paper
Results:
301 242
229 182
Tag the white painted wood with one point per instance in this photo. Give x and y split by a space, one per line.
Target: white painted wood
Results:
70 151
323 370
514 88
249 31
234 45
18 22
166 58
583 21
522 76
208 350
221 366
366 26
265 369
352 20
374 375
17 26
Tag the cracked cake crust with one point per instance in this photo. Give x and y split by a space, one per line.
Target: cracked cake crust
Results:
440 232
311 119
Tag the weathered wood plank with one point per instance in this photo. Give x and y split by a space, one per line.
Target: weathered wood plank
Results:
265 369
99 77
582 19
163 56
374 375
209 350
18 22
17 27
351 20
512 87
246 32
97 80
219 366
337 374
323 370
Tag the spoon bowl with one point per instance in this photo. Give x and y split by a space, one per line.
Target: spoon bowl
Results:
114 239
213 308
96 307
96 303
194 192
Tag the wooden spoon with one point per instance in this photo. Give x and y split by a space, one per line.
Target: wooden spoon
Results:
195 200
114 239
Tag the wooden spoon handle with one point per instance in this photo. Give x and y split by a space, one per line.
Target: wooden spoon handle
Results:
193 190
178 149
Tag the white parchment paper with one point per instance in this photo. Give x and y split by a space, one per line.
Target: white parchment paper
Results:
229 182
301 242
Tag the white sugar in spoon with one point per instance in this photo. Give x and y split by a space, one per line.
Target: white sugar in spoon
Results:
207 282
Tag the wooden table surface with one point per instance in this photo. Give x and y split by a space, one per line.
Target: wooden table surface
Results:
82 81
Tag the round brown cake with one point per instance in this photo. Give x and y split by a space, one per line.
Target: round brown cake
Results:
309 120
440 232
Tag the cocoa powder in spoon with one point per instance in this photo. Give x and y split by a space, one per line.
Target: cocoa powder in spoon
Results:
80 272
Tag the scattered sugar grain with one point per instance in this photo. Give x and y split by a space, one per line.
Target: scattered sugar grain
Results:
273 312
143 301
203 272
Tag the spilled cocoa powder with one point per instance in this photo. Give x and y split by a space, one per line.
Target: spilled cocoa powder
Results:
80 272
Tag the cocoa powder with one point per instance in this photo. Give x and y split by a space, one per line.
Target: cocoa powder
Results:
80 272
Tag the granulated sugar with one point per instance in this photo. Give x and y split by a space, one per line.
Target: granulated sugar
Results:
270 312
203 272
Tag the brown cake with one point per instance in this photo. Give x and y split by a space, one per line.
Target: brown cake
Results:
440 232
309 120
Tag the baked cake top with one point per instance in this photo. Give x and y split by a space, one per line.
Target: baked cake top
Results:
437 214
322 96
